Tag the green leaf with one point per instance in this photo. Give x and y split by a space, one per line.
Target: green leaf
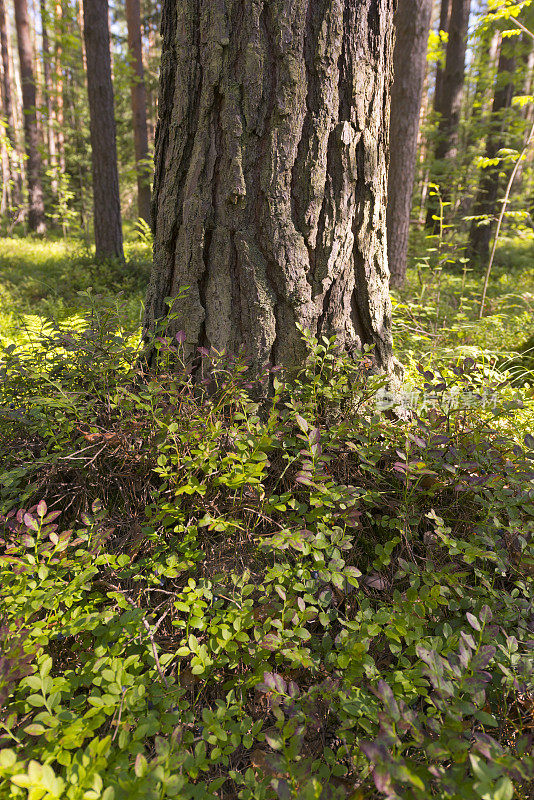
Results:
274 739
502 790
141 766
302 423
487 719
35 729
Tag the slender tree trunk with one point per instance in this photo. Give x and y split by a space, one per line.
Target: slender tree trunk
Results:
271 175
444 18
47 71
488 192
36 213
149 39
79 14
450 102
106 200
59 87
7 106
144 173
412 21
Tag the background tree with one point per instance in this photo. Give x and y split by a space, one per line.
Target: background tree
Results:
270 184
138 92
412 23
450 101
36 212
48 93
106 199
15 183
443 30
488 191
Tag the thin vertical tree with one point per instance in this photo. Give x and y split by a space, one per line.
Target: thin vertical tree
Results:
488 191
106 199
60 103
47 73
138 93
449 103
444 18
7 110
36 211
412 22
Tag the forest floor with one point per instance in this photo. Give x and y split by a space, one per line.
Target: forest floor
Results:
203 596
433 313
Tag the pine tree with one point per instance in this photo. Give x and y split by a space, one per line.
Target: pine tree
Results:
271 176
138 93
36 211
449 103
412 22
106 199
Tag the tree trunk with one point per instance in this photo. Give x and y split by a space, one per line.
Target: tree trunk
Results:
144 172
79 15
271 175
106 200
488 190
36 213
444 18
450 103
412 20
58 59
52 155
7 107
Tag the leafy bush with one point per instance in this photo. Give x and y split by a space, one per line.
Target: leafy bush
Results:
211 595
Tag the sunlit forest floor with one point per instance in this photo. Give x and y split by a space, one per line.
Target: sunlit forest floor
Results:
435 315
203 596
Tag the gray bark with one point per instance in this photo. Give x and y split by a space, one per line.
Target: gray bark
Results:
449 102
36 212
13 166
138 92
106 199
412 22
271 175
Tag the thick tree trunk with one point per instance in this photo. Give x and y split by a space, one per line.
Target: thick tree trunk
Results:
412 22
7 108
106 200
144 173
488 191
450 102
271 175
36 213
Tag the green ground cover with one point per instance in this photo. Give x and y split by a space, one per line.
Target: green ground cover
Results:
207 596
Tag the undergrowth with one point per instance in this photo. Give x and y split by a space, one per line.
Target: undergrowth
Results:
207 595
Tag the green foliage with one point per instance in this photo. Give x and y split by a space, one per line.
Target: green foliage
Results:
209 595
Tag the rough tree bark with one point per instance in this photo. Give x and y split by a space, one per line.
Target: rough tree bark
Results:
106 200
271 175
485 203
36 212
412 22
450 101
138 91
7 108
